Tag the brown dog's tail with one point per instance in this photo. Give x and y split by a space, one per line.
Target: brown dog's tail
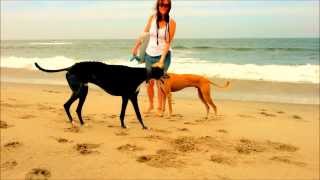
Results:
225 86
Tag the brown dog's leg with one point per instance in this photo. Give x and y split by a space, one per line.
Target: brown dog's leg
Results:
206 95
212 105
170 102
204 102
163 108
208 99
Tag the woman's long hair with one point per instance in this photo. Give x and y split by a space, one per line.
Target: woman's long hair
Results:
166 17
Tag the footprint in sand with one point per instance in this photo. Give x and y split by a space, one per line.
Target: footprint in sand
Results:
15 105
177 116
282 147
183 129
267 114
12 145
46 107
174 117
62 140
185 144
153 137
85 149
280 112
210 118
297 117
72 129
38 174
112 126
51 91
247 146
222 178
121 133
113 116
160 130
129 147
9 164
189 123
27 116
202 120
221 159
245 116
287 160
4 125
162 159
222 131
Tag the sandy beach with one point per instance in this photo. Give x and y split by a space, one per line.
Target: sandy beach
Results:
248 140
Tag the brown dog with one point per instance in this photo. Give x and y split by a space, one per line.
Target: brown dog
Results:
177 82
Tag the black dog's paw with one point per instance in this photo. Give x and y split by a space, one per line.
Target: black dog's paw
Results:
124 127
145 127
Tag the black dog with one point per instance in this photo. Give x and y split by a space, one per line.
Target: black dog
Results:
117 80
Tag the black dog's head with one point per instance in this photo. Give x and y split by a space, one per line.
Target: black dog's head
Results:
156 73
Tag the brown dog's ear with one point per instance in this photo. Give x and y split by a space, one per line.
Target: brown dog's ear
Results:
166 76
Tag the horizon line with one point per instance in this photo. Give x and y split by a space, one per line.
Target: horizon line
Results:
297 37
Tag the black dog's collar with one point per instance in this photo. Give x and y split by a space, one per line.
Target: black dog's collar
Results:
165 76
149 69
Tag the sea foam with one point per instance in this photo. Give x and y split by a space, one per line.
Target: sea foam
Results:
280 73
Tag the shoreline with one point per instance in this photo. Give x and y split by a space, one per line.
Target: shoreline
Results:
239 90
182 96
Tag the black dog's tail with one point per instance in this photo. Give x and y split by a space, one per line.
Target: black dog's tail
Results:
48 70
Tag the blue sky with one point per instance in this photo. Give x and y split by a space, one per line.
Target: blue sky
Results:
126 19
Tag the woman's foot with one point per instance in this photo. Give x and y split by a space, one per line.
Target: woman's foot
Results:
159 114
149 110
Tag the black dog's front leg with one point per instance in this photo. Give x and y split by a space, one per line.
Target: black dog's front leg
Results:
134 100
123 110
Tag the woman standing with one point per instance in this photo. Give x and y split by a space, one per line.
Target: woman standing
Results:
158 52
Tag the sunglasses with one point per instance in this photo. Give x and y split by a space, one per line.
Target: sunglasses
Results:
164 5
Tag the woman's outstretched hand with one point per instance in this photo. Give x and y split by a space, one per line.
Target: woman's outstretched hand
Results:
134 51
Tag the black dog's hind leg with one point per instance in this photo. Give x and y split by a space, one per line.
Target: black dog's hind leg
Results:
83 91
134 100
123 111
74 85
67 105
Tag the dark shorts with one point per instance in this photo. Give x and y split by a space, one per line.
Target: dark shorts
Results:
150 60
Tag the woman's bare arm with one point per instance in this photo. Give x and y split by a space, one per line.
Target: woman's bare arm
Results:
172 31
138 41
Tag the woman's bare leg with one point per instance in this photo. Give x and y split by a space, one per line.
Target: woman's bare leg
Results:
150 93
160 99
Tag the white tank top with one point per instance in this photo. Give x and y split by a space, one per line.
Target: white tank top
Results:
154 49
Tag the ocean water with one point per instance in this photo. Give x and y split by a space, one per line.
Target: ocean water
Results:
293 60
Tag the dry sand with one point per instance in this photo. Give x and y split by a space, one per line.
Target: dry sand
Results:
248 140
